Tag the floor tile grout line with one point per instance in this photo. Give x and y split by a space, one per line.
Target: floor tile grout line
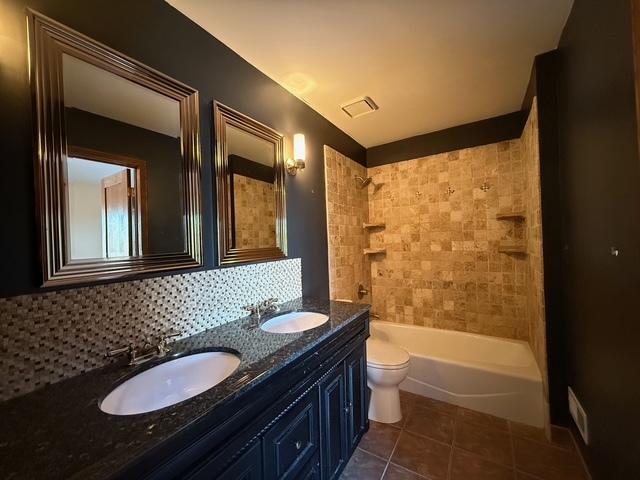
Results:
453 414
535 477
481 425
426 437
504 465
547 443
422 435
372 454
410 471
386 467
544 444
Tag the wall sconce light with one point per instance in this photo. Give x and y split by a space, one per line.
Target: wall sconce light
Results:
299 155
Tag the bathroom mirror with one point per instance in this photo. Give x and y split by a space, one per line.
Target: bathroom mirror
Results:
117 161
250 189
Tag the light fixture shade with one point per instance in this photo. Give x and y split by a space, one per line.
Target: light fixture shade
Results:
299 150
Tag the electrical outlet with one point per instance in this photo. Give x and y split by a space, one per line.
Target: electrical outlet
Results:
579 416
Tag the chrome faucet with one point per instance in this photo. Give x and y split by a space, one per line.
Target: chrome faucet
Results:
260 308
147 352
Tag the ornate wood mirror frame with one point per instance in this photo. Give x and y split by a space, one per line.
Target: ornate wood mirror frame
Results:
227 253
48 41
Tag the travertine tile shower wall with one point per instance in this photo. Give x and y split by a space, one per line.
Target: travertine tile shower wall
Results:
442 266
47 337
535 271
347 210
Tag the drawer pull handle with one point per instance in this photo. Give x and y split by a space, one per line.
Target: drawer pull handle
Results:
298 445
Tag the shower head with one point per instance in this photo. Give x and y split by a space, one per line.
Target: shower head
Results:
362 182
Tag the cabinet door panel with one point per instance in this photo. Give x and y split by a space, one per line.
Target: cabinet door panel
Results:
333 423
357 418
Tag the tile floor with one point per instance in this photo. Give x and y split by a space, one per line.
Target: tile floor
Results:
439 441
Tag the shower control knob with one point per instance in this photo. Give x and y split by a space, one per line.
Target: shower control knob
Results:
362 291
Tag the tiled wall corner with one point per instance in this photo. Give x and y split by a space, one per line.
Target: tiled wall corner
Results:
347 210
55 335
535 269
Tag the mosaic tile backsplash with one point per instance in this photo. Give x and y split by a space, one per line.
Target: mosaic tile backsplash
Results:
51 336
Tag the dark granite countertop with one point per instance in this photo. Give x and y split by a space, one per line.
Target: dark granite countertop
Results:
60 432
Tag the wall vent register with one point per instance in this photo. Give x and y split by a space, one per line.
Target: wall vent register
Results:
579 416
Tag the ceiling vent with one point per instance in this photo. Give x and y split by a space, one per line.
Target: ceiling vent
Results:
359 106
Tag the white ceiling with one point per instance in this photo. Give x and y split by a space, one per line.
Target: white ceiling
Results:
428 64
100 92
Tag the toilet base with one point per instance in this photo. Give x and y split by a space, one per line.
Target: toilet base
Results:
384 406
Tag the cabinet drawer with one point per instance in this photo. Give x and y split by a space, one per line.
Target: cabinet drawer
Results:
293 440
246 467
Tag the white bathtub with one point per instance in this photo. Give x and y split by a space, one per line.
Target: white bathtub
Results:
492 375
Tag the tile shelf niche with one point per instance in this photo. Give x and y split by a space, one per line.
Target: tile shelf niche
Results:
368 226
515 216
511 247
374 251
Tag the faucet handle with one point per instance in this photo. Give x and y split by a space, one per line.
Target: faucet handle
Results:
119 351
163 344
253 309
172 334
270 301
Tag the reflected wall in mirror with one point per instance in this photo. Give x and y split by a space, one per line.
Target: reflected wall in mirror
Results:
250 187
118 166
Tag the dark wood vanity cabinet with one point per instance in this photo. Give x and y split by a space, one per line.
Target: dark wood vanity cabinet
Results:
247 467
304 426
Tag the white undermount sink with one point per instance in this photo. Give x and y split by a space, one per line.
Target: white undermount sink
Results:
170 383
294 322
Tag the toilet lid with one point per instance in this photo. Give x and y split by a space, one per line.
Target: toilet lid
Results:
385 354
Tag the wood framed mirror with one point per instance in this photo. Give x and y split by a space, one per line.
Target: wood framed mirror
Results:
249 168
117 161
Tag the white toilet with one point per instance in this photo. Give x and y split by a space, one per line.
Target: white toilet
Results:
387 367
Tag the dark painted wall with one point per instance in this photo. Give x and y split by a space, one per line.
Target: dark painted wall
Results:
484 132
600 185
162 156
543 86
154 33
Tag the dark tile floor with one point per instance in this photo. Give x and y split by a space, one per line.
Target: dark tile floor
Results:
439 441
